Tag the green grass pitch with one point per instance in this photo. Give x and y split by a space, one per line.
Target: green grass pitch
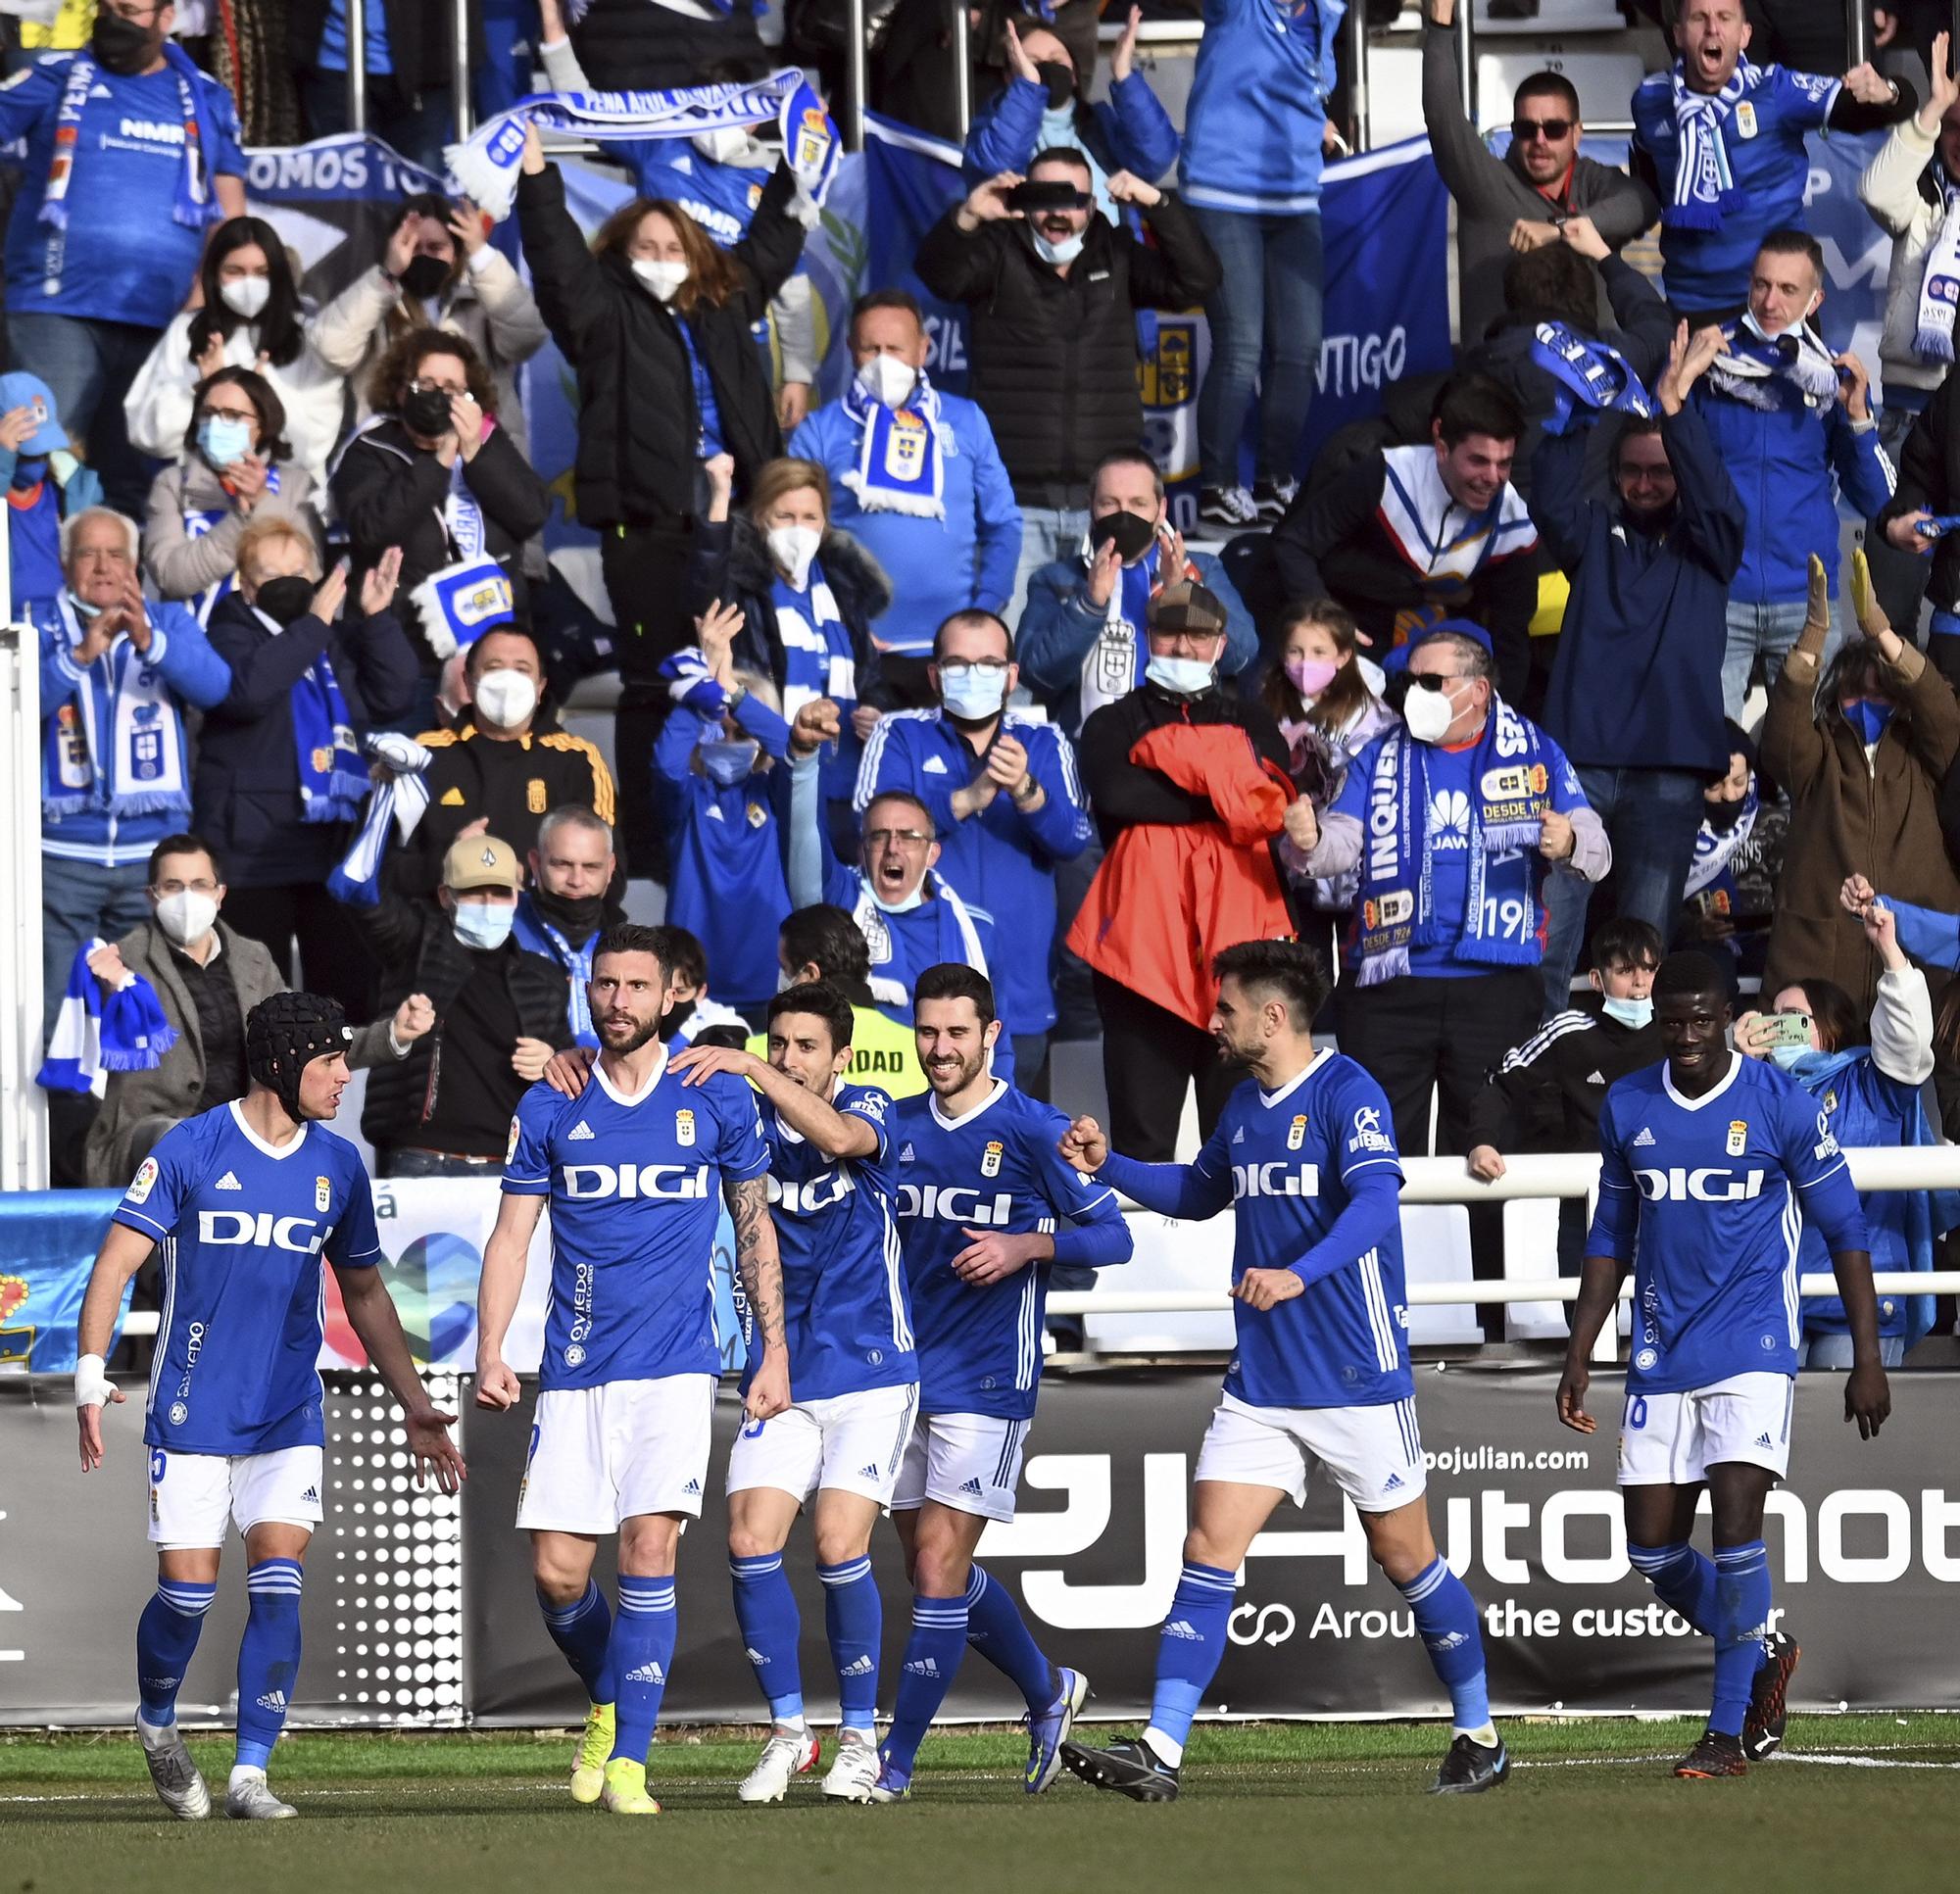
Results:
1590 1806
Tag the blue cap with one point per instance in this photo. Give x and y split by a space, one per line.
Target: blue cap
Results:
30 391
1398 660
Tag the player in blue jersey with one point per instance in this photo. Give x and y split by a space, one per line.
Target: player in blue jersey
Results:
1306 1155
848 1317
242 1204
632 1168
982 1194
1709 1166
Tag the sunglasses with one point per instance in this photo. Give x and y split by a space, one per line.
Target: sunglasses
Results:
1551 130
1433 680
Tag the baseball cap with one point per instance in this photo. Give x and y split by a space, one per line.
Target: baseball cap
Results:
20 390
480 861
1187 606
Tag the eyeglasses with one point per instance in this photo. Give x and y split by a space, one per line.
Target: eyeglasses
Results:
967 666
1434 680
1551 130
175 887
208 413
423 385
897 839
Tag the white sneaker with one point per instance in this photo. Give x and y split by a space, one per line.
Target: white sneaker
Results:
787 1753
179 1785
854 1769
1229 507
248 1799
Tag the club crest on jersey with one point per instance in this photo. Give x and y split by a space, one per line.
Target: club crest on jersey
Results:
1738 1136
684 1127
143 1183
990 1158
1297 1132
322 1193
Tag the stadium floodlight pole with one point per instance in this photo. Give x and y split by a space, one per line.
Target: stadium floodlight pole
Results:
458 65
357 65
1466 57
1357 73
962 67
858 67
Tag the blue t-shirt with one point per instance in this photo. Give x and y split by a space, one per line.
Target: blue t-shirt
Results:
241 1228
846 1309
1708 1195
333 55
124 257
635 1191
996 1168
33 535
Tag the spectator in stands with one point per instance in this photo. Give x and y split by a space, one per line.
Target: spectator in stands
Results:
280 775
1738 852
117 673
501 1013
1523 199
1719 139
640 47
1862 743
44 483
435 476
409 55
248 317
207 976
1054 293
1006 797
1928 484
86 298
916 480
691 1017
234 468
1410 535
507 764
1082 634
1636 697
244 45
1467 794
1189 788
824 943
569 905
1256 131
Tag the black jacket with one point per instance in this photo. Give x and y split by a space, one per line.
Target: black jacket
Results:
638 425
246 787
1546 1095
1055 358
640 48
1928 476
389 492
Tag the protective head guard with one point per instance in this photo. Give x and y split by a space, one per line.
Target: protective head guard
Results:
284 1033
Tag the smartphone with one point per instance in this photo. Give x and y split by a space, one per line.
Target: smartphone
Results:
1046 194
1784 1029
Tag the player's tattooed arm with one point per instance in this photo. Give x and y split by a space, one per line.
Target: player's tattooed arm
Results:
758 1267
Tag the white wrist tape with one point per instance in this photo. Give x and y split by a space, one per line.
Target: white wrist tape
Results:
92 1387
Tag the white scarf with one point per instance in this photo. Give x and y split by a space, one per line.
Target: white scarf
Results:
1939 282
131 733
1704 186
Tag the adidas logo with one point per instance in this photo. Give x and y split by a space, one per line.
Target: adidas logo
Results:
229 1181
1762 1439
970 1487
693 1486
859 1667
905 1156
756 1657
934 766
310 1497
273 1700
1595 1078
1178 1627
578 1130
1645 1138
923 1667
868 1473
648 1673
1392 1483
1239 1136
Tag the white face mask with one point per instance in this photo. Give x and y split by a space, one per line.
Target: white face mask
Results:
904 907
725 146
1066 250
888 380
1635 1013
484 924
972 691
186 916
1182 676
785 981
504 697
663 278
1428 714
793 548
247 295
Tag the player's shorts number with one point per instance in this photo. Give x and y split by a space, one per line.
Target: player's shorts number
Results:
1637 1412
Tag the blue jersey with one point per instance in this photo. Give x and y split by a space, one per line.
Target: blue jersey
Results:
242 1228
997 1168
846 1309
1708 1196
635 1191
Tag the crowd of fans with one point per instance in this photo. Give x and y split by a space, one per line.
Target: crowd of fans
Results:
906 677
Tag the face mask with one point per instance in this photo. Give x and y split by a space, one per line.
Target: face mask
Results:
1792 1057
724 146
1130 533
886 380
663 278
1310 676
426 412
284 600
119 45
1181 676
729 761
246 295
1635 1013
185 916
970 692
914 900
1428 714
221 440
576 919
30 470
793 548
1060 80
504 697
675 1021
1066 250
785 981
484 924
1868 720
425 276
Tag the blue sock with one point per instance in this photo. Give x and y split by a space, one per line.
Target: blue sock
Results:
1741 1617
269 1658
766 1608
996 1629
932 1660
1189 1648
1446 1619
165 1636
639 1656
855 1619
582 1631
1682 1579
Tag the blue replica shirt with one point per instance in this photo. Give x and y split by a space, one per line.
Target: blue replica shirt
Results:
846 1309
1708 1196
1259 99
242 1228
124 257
635 1189
997 1168
33 538
1313 1172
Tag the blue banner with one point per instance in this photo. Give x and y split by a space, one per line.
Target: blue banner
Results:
48 1239
910 180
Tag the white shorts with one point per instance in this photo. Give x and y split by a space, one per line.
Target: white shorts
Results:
1673 1440
601 1454
194 1496
851 1443
970 1462
1374 1454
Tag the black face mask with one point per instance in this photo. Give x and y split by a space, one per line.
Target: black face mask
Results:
121 46
426 411
284 600
1723 816
1132 534
672 1023
425 276
1060 80
576 919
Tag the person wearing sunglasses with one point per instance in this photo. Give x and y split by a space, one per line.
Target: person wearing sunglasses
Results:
1522 199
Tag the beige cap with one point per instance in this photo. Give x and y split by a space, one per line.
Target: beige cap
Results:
480 861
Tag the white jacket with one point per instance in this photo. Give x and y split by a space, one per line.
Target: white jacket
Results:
1891 191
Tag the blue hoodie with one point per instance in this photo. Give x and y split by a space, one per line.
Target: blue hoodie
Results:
1131 132
1259 100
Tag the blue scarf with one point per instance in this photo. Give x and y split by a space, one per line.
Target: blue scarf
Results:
1397 908
899 467
536 934
400 798
332 780
199 520
1704 186
1589 379
194 205
955 940
817 656
1715 848
128 1033
120 746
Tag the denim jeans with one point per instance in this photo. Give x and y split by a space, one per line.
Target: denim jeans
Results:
81 899
1821 1348
1266 312
1650 817
88 366
401 1163
1047 533
1767 630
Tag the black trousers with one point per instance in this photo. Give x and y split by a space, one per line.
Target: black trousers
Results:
1148 1056
1419 1039
334 959
645 573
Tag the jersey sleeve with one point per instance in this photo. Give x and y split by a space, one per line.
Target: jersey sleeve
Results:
223 155
874 1107
1102 1237
28 94
1362 1136
1806 98
527 1168
155 1198
355 1243
741 1150
1616 1222
1818 1169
